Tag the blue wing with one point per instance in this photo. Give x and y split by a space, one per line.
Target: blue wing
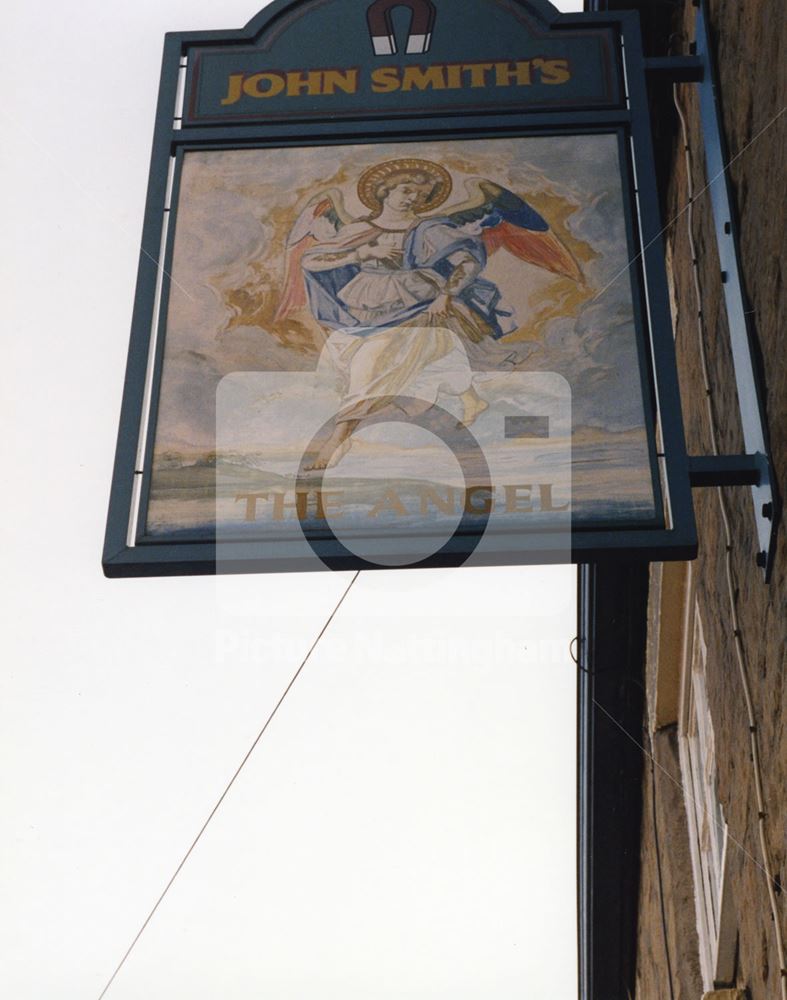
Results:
508 222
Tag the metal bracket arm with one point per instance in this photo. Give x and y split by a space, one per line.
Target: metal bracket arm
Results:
728 470
753 469
676 69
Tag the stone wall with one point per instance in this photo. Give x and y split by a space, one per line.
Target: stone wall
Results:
668 949
750 40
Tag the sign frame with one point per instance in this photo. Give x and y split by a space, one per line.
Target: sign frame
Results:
125 554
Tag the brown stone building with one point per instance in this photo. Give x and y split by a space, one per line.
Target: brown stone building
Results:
711 917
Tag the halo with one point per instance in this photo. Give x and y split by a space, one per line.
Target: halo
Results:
371 178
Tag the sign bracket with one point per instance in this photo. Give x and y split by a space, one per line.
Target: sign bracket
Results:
678 69
755 467
727 470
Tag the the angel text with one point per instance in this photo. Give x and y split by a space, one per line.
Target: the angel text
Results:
322 505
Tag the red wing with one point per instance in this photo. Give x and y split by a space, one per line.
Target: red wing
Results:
540 248
302 237
293 295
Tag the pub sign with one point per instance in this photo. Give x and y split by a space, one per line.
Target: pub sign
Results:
401 298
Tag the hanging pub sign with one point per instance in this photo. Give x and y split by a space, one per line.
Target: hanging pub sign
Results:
401 298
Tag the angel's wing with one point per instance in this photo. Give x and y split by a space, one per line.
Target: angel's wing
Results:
508 221
319 222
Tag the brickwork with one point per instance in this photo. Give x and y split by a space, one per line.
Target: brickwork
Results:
750 40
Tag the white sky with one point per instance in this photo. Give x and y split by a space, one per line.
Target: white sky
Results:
407 826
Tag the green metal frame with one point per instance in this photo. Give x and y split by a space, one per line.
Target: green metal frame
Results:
136 555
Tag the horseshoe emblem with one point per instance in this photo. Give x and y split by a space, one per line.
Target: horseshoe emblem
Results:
419 37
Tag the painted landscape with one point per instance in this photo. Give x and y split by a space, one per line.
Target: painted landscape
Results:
324 299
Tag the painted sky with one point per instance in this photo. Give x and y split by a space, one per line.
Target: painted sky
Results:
126 705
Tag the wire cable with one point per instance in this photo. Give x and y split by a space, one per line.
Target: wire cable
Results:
685 208
229 785
767 862
678 784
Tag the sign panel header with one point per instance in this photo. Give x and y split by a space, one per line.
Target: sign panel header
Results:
334 58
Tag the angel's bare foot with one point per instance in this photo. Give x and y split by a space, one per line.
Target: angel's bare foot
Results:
334 449
473 406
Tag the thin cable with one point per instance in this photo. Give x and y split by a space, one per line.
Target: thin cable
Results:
116 220
231 782
700 806
687 207
767 863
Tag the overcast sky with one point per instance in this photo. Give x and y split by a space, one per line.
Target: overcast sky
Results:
406 828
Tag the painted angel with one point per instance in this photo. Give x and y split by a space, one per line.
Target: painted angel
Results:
402 288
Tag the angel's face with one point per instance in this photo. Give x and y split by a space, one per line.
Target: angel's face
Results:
406 196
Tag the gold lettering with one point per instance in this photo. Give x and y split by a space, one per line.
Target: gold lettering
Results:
346 80
279 505
477 73
453 77
445 505
251 503
389 499
274 82
554 71
512 74
487 500
545 490
513 496
234 88
385 79
326 501
423 78
310 82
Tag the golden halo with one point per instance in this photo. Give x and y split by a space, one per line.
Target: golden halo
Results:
372 177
